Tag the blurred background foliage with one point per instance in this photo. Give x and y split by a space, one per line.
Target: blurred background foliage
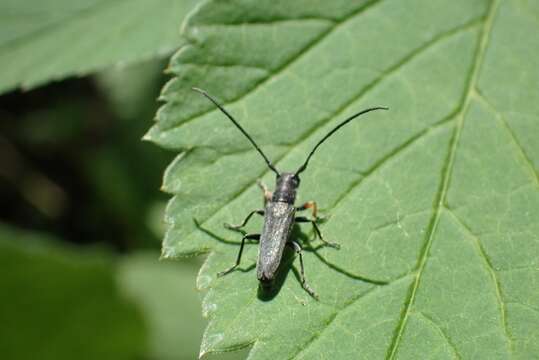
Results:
81 223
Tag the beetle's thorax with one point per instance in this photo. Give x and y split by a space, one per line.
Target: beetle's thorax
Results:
285 189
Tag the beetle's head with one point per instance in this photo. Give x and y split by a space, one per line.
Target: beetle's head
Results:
288 179
285 189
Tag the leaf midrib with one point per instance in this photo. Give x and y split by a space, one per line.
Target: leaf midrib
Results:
446 174
351 302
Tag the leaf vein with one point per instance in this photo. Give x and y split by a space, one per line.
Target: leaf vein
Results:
492 272
283 66
406 145
526 306
439 329
271 21
501 118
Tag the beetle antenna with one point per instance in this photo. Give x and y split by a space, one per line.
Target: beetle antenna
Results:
304 166
270 165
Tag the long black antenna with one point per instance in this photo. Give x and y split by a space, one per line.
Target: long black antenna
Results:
304 166
270 165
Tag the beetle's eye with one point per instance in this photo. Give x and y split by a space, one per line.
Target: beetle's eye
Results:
296 179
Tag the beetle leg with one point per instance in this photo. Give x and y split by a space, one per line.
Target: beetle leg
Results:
239 226
303 219
238 259
309 205
297 248
267 193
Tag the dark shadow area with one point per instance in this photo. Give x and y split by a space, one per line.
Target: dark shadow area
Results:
220 239
267 293
308 247
228 242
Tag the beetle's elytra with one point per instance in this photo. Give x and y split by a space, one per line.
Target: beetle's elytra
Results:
279 211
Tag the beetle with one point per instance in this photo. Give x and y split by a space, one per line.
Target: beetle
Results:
279 211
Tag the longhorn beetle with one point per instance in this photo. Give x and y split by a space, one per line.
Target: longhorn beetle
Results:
279 211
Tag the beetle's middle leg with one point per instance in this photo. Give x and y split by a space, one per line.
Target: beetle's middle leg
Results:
303 219
297 248
310 205
238 259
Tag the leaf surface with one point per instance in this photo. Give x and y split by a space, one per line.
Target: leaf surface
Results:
437 198
42 41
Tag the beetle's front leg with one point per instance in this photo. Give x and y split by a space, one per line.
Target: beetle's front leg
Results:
297 248
303 219
267 193
238 259
267 197
239 226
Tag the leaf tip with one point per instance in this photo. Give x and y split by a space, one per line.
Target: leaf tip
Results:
209 342
167 253
148 136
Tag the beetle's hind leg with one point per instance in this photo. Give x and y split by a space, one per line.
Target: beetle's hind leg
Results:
239 226
303 219
238 259
297 248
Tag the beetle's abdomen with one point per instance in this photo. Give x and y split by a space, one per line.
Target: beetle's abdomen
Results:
278 223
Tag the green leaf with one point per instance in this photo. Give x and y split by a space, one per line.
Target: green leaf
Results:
437 197
160 289
42 41
58 303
